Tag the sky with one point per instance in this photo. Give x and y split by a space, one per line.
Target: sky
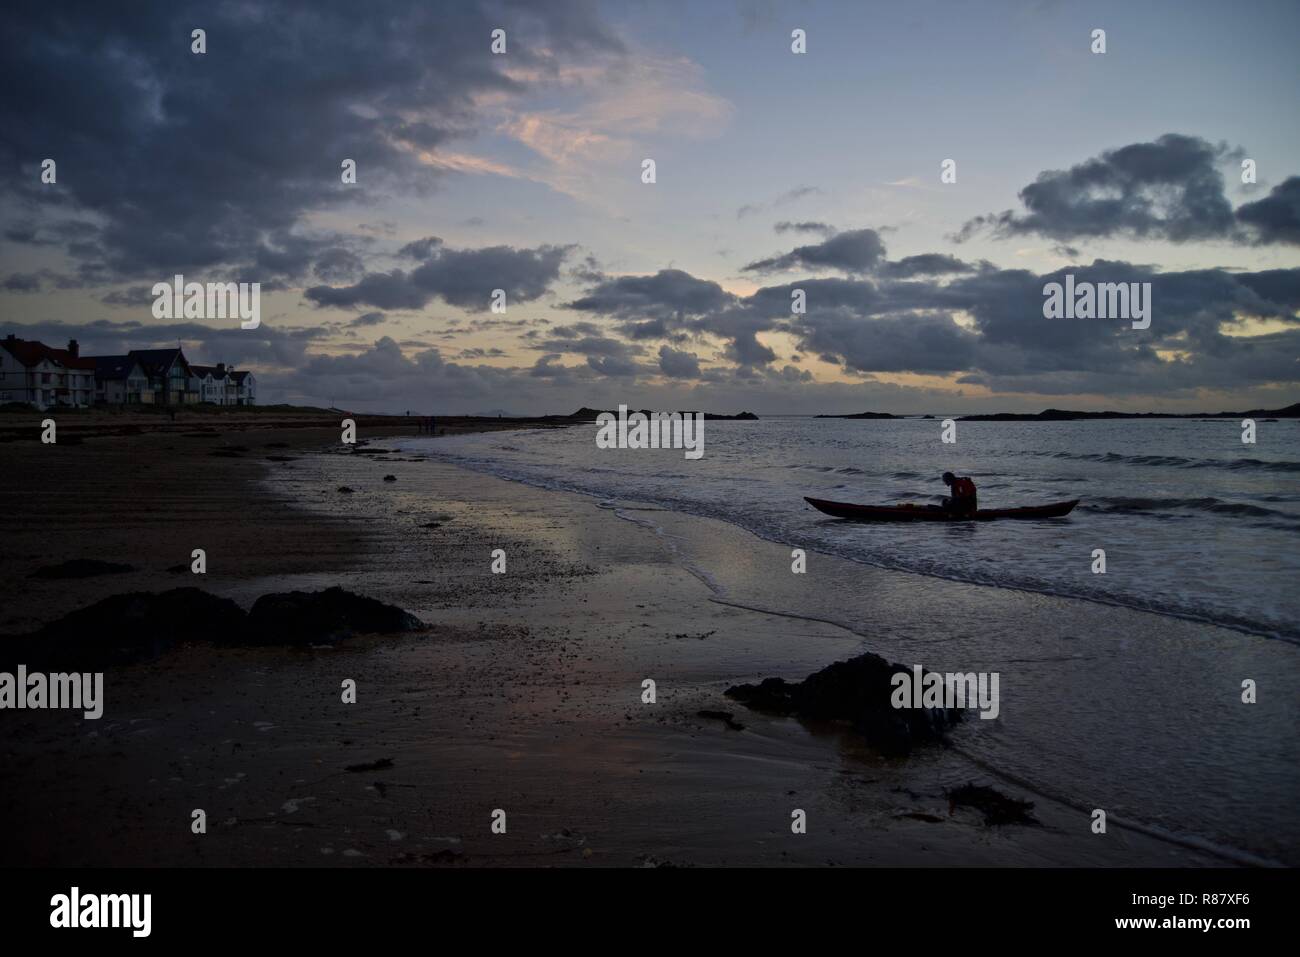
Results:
775 171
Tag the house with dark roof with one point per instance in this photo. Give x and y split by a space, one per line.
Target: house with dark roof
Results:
120 380
212 383
245 388
170 379
43 376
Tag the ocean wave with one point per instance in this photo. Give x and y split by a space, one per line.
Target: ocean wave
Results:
1176 461
1128 504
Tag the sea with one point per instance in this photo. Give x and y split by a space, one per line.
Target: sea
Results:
1193 523
1143 714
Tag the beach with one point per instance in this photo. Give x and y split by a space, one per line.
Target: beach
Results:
525 693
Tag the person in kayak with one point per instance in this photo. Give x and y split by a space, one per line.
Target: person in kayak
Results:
962 501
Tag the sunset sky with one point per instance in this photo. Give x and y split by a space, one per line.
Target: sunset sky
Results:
775 171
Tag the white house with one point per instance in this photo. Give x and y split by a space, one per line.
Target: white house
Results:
222 385
44 377
245 388
210 382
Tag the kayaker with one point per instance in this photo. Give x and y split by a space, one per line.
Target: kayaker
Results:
962 500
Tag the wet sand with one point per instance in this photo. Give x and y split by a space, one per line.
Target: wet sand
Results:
524 695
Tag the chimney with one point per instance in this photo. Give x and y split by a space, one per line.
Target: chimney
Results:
73 348
221 368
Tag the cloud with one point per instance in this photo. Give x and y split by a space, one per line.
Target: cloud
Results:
785 226
460 277
620 105
216 163
926 264
1276 217
678 365
654 304
337 264
420 249
592 346
856 251
22 282
1167 189
789 196
934 315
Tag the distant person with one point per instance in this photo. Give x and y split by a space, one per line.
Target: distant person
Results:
962 500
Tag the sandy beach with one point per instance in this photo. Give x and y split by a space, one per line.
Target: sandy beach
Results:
524 694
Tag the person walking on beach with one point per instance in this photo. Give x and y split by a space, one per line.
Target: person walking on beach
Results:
962 501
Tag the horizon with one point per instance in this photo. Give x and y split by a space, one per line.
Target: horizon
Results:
522 171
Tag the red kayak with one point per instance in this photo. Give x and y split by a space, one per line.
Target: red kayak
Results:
933 513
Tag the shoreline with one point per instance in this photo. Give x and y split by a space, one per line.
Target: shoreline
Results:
510 700
1246 629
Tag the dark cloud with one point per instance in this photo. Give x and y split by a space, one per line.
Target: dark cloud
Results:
21 282
182 162
337 264
588 272
368 319
549 367
420 249
935 315
926 264
460 277
678 365
574 330
670 296
614 366
1276 217
808 226
856 251
592 346
1168 189
133 297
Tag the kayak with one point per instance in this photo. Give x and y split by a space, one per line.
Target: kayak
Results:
933 513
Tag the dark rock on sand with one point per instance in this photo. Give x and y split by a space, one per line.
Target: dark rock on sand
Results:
300 617
724 716
380 765
345 490
132 627
140 625
858 692
390 478
996 808
81 568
